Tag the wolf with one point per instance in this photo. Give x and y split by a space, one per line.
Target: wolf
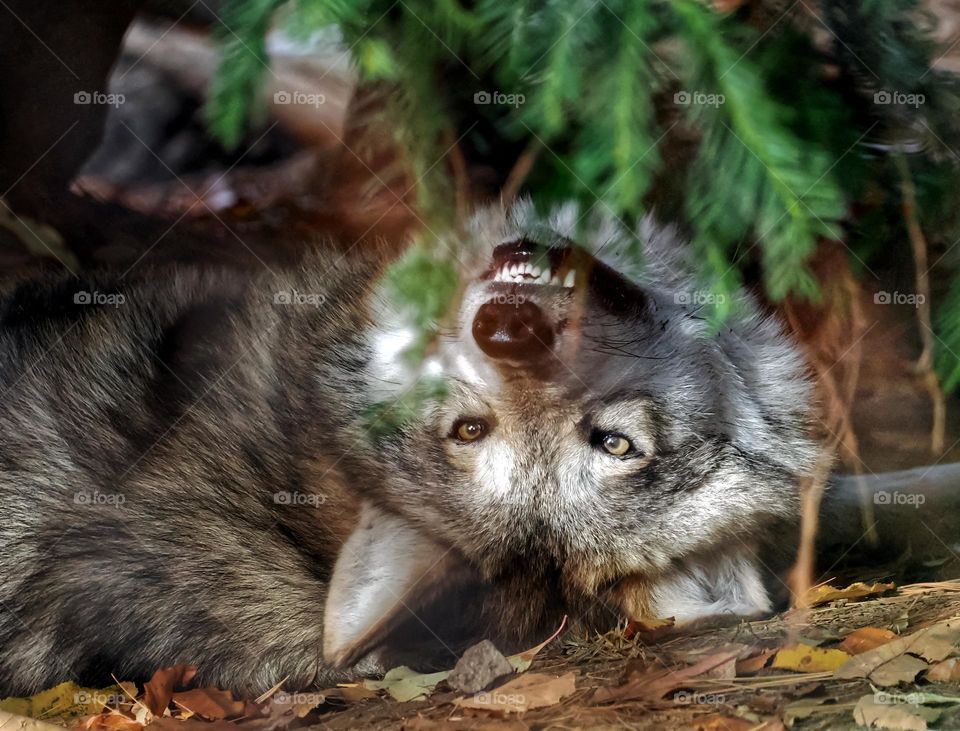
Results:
189 476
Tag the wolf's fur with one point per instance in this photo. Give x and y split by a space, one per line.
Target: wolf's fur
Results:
201 399
722 418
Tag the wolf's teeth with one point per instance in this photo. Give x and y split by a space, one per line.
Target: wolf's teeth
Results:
571 278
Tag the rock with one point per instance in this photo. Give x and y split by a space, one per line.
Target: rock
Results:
479 668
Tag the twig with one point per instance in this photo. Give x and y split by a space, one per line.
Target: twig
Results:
924 364
519 172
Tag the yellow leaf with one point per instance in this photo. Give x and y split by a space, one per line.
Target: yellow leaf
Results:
66 699
824 593
806 659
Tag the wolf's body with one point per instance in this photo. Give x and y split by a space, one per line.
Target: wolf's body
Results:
180 473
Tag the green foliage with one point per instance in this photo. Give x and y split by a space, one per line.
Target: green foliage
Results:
244 61
385 418
425 283
790 143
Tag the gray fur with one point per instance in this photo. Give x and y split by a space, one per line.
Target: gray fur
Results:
202 398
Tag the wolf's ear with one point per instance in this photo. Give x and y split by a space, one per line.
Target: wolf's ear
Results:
385 571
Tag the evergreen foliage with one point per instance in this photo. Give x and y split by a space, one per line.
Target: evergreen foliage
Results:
797 109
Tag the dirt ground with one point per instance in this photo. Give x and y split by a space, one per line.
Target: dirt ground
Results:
767 699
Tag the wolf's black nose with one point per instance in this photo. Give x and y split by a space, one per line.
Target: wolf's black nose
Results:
517 332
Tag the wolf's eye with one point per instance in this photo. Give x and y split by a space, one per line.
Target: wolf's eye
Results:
469 430
615 444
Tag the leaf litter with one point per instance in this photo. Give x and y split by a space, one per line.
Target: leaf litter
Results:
877 661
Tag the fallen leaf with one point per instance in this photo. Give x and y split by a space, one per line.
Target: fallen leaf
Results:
932 643
902 669
896 716
209 702
168 723
945 671
649 629
720 722
866 638
753 665
66 699
13 722
654 684
824 593
531 690
799 710
350 692
464 724
806 659
404 684
521 661
158 692
110 721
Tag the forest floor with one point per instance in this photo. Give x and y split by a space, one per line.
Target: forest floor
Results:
876 656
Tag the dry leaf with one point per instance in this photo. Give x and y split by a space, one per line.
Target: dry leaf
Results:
158 692
521 661
866 638
806 659
66 699
13 722
799 710
902 669
897 716
824 593
349 692
720 722
753 665
110 721
649 629
932 643
654 684
945 671
404 684
209 702
531 690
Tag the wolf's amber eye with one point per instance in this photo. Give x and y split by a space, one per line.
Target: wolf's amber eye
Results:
616 445
470 430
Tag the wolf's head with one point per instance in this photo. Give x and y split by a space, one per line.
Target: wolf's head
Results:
595 426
